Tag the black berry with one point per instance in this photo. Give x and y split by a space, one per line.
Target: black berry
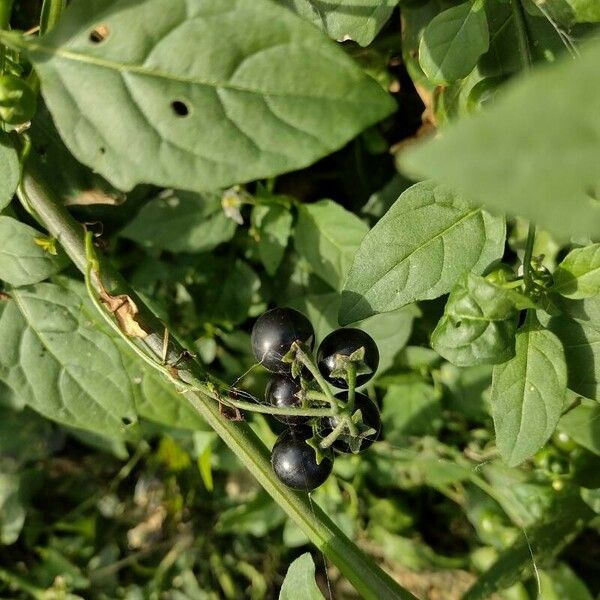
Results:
295 463
344 342
371 419
274 333
282 391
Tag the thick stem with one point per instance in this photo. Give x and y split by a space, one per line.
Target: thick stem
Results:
51 13
368 579
527 272
522 36
5 12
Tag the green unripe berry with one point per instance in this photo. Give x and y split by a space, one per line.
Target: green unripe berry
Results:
17 100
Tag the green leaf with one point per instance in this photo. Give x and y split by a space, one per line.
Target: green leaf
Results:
273 225
417 251
358 20
22 261
528 393
300 581
181 222
225 290
198 96
478 326
10 171
539 155
560 583
580 338
582 423
453 42
411 408
51 354
327 236
561 523
502 57
12 511
578 275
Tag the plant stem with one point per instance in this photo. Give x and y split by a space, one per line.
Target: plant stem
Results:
335 434
351 372
527 274
5 12
51 13
309 363
367 577
522 36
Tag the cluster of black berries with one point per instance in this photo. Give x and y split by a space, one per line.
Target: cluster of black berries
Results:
282 341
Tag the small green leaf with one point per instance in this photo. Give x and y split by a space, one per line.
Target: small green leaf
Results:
526 154
358 20
453 42
273 225
300 581
528 393
22 260
10 171
12 511
327 236
181 222
478 326
207 96
578 275
582 423
417 251
53 355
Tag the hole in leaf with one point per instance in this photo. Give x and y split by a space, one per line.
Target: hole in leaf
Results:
102 150
99 34
180 108
127 421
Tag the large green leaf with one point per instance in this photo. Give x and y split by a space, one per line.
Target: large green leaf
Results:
417 251
198 95
478 325
22 261
300 581
578 275
528 393
9 169
181 222
60 363
453 42
578 329
582 423
327 236
358 20
530 153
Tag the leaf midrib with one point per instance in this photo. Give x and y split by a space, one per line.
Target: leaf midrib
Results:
140 70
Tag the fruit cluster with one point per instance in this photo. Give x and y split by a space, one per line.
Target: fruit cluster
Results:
282 341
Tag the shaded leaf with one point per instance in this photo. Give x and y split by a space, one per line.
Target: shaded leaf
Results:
327 236
453 41
22 260
539 157
478 326
417 251
181 222
273 225
582 423
10 171
528 393
208 96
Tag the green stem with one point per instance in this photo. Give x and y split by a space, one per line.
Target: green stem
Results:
309 363
314 395
335 434
527 272
522 36
351 373
51 12
5 12
366 576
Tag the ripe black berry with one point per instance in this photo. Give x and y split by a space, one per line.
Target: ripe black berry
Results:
344 342
370 416
274 333
295 463
282 391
